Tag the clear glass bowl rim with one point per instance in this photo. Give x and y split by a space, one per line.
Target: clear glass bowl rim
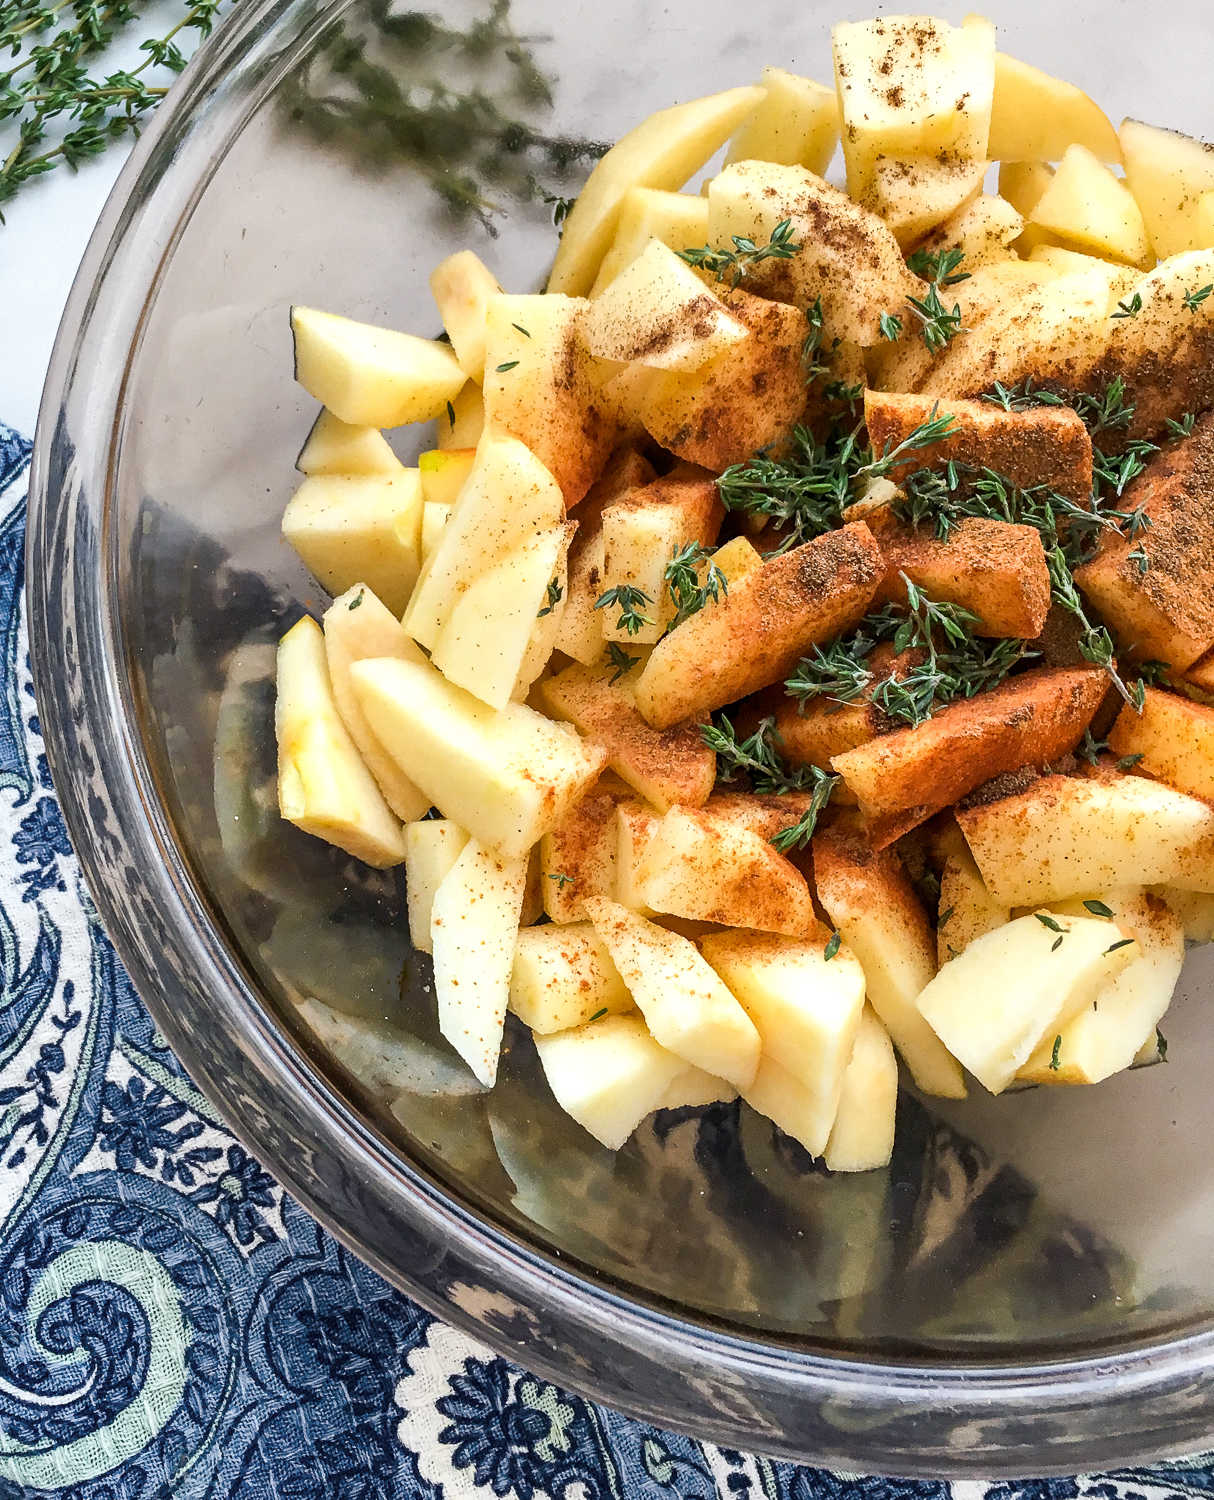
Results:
968 1421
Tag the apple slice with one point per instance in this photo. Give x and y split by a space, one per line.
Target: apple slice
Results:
474 928
685 1005
508 776
1168 173
372 376
358 626
578 857
661 152
462 286
679 220
1031 985
1035 117
443 472
323 786
431 849
862 1137
796 123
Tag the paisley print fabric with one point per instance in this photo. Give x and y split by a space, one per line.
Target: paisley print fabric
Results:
173 1325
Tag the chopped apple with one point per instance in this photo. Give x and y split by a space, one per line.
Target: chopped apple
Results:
679 220
658 313
967 909
642 532
431 849
1064 836
917 196
373 377
508 777
1035 117
1163 609
756 634
540 387
357 626
485 639
474 929
983 230
1168 173
608 1075
685 1005
847 256
1023 183
336 447
1108 1034
734 559
714 871
1194 910
797 123
788 1103
862 1137
323 786
547 623
694 1088
434 518
912 86
359 528
805 1007
666 766
462 286
661 152
563 977
578 856
1085 205
1030 985
1033 719
461 425
507 498
1173 738
748 398
443 472
869 898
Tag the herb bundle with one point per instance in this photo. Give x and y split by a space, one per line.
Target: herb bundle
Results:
62 111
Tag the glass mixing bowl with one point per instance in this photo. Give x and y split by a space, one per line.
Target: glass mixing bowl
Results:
1027 1288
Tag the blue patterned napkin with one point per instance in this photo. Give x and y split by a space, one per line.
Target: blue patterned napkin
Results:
172 1324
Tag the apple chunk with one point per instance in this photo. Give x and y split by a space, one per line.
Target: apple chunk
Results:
323 786
507 498
710 870
357 626
756 634
1086 206
862 1137
679 220
608 1075
462 286
869 898
661 152
1064 836
806 1009
797 123
685 1005
1030 985
659 313
666 766
967 909
474 927
431 849
1168 173
372 376
1107 1035
1035 117
578 856
508 776
359 528
563 977
1173 738
540 387
336 447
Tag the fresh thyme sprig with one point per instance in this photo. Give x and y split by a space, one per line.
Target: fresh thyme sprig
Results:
1193 299
939 268
745 255
953 663
618 658
555 593
630 601
1129 307
808 490
48 82
688 593
758 758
